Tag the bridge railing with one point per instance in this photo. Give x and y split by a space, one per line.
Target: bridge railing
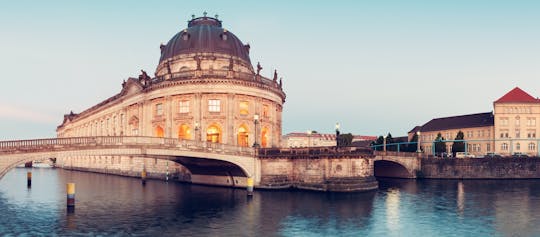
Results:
312 151
172 143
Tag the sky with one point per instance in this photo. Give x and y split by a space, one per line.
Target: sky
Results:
373 66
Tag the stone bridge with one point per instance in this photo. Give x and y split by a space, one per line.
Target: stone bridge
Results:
397 164
195 156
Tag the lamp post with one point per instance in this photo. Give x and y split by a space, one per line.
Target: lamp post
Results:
337 135
255 122
197 139
418 142
384 143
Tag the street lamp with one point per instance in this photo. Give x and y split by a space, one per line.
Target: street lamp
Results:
384 143
255 122
337 135
197 127
418 142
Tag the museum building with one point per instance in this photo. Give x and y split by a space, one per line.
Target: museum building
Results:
204 89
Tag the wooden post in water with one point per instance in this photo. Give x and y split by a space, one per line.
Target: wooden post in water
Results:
249 186
29 179
143 177
70 197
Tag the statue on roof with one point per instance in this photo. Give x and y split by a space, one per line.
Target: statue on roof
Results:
280 83
259 68
275 76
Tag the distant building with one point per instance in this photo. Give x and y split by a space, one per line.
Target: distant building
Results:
510 129
298 139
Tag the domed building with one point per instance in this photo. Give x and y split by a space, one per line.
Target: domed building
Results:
205 88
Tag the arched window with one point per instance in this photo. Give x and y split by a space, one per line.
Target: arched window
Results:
159 131
518 146
243 137
264 137
184 132
504 146
532 146
213 134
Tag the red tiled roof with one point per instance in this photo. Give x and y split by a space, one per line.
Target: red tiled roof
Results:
517 95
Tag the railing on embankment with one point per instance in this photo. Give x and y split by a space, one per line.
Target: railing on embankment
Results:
71 143
314 152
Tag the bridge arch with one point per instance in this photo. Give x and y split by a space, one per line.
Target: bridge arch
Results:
387 168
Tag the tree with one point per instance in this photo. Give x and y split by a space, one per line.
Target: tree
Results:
377 142
390 140
458 146
345 139
440 146
412 146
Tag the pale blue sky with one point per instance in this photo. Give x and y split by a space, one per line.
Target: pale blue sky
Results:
373 66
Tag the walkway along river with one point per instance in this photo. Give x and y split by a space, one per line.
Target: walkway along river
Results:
116 205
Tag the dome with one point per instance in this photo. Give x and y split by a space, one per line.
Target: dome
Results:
204 35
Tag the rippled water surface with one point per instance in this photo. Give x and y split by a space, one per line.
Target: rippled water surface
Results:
113 205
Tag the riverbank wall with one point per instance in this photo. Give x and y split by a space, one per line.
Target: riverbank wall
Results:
481 168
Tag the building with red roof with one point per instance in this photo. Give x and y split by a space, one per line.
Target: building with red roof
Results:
510 129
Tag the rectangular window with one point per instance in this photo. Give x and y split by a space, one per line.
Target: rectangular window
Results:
244 107
488 147
517 133
214 105
517 122
159 109
184 107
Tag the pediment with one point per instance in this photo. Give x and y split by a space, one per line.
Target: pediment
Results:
131 86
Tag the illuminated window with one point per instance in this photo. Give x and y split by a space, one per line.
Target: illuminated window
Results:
184 132
214 105
159 131
184 106
243 136
213 134
244 107
159 109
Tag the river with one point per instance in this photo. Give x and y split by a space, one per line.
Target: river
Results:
113 205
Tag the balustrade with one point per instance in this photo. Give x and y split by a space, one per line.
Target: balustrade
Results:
170 143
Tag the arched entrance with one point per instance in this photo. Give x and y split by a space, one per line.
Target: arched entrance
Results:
243 137
213 134
264 137
385 168
184 132
159 131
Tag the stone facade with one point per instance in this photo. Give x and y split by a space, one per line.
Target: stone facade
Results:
319 170
488 168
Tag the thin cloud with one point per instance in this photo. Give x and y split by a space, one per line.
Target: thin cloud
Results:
27 114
